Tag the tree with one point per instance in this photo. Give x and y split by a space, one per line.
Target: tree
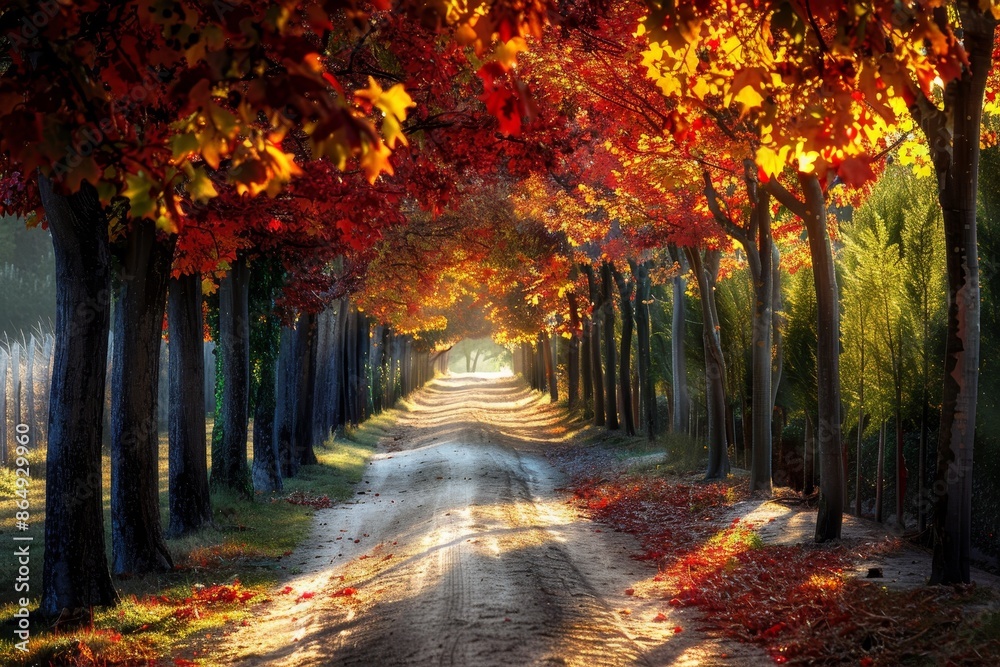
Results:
190 505
706 272
643 297
626 288
76 573
758 244
953 136
136 534
844 76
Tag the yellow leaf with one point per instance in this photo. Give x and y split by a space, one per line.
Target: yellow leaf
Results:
392 131
506 53
375 160
807 161
771 162
652 56
395 101
749 98
701 89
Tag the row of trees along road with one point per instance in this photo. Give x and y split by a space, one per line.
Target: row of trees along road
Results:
294 164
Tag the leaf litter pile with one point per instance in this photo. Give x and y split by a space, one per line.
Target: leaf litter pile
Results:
802 603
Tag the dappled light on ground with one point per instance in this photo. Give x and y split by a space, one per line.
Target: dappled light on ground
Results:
461 548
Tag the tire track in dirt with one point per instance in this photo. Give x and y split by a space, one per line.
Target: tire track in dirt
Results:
469 555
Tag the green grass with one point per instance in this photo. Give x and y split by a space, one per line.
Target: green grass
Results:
244 552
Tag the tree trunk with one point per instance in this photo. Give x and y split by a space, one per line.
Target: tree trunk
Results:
610 363
284 410
625 288
715 364
573 353
136 534
880 473
550 373
957 163
586 366
364 366
266 470
831 490
305 347
384 377
762 406
600 413
861 423
647 393
353 383
809 457
190 504
678 332
857 463
901 472
337 372
229 455
75 576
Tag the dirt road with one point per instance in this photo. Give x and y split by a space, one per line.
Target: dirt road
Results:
461 549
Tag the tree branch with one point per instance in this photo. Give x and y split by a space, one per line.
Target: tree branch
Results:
785 198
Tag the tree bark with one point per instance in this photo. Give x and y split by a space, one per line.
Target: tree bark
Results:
586 365
880 473
573 353
954 139
265 473
715 363
610 363
678 332
625 288
756 240
284 411
305 347
600 413
550 372
337 373
229 455
901 472
647 391
861 427
136 533
353 371
75 575
190 503
762 406
831 491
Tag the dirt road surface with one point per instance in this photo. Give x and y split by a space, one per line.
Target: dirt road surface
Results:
460 548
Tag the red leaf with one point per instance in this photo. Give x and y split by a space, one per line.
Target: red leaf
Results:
345 592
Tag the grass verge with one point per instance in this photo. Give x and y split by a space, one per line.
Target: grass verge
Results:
221 573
